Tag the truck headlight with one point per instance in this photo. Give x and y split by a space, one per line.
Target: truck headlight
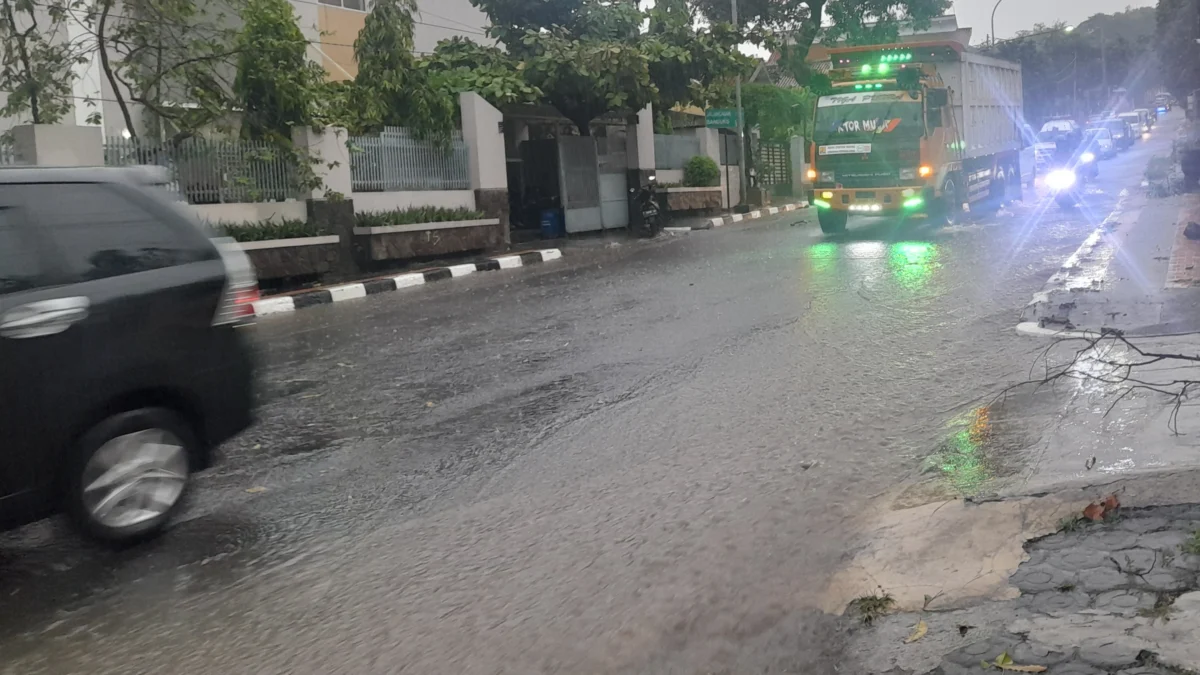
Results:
908 174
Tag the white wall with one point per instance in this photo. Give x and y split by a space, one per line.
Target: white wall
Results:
251 213
389 201
664 176
444 19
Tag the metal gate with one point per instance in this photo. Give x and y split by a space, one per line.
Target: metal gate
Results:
614 178
774 165
579 183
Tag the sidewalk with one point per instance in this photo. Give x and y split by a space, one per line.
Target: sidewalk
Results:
1116 597
1138 273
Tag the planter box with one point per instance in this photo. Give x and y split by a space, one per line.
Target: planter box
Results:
693 198
421 240
301 257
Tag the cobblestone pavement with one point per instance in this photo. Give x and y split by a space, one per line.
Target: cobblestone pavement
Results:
1102 599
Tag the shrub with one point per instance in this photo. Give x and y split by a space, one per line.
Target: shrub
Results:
701 171
416 214
269 229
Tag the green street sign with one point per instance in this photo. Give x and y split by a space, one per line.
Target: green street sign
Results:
721 118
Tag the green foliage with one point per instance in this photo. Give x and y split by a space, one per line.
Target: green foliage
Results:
277 87
266 230
586 78
1192 545
799 22
390 90
1063 69
416 214
778 112
459 65
1178 53
701 171
36 62
690 67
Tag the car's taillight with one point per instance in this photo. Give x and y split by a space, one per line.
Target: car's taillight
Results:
241 285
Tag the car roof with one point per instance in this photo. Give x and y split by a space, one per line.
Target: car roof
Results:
133 175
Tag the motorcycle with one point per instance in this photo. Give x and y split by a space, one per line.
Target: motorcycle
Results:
651 223
1065 180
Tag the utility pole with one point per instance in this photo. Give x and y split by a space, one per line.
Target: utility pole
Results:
994 8
741 121
1104 63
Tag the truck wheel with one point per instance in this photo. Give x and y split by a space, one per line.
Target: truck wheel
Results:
832 222
945 211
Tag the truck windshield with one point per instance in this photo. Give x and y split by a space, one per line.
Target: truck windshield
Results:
874 116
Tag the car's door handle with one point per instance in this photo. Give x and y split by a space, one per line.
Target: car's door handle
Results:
42 318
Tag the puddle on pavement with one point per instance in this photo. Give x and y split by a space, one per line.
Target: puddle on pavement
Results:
977 451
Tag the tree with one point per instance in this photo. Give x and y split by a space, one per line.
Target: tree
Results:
777 112
591 57
1177 49
459 65
277 87
391 90
174 58
797 23
36 63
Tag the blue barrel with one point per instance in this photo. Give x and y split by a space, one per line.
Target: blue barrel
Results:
552 225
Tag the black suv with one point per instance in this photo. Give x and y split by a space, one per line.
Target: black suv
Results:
121 349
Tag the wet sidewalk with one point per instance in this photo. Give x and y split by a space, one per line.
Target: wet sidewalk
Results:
1115 597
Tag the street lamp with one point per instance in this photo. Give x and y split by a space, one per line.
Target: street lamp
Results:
994 8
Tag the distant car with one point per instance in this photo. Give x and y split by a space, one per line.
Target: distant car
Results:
1099 142
1122 134
1060 125
122 350
1135 120
1150 117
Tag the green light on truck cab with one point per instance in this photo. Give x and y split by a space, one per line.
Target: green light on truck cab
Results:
820 203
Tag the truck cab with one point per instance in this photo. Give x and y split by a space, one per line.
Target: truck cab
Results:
905 132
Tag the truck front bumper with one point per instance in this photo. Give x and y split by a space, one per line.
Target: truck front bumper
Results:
874 201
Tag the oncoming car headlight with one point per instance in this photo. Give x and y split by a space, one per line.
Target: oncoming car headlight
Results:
1087 157
1060 179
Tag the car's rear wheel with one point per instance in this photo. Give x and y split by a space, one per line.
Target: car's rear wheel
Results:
947 209
129 474
832 222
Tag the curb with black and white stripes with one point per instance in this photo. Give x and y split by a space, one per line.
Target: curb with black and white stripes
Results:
282 304
737 218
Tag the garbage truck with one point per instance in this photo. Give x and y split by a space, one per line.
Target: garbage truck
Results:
917 128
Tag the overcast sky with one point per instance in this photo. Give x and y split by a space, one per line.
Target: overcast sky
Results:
1015 15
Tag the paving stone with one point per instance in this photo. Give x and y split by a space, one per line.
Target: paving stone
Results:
1186 561
1035 653
982 650
1058 541
1143 525
1139 560
1034 578
1113 539
1079 558
1170 540
1055 603
1123 601
1074 668
1165 580
955 669
1109 652
1039 556
1144 670
1103 579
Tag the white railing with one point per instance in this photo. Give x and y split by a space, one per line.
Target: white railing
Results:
395 160
214 171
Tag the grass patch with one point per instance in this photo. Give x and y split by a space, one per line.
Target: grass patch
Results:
266 230
1192 545
1164 607
416 214
868 608
1070 524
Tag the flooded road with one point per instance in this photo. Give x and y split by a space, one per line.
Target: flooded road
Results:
643 459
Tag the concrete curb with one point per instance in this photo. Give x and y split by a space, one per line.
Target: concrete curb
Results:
738 217
282 304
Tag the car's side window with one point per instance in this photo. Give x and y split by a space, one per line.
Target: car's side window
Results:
19 265
100 233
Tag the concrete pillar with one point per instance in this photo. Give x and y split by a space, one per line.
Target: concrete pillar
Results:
483 132
58 145
639 141
328 146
